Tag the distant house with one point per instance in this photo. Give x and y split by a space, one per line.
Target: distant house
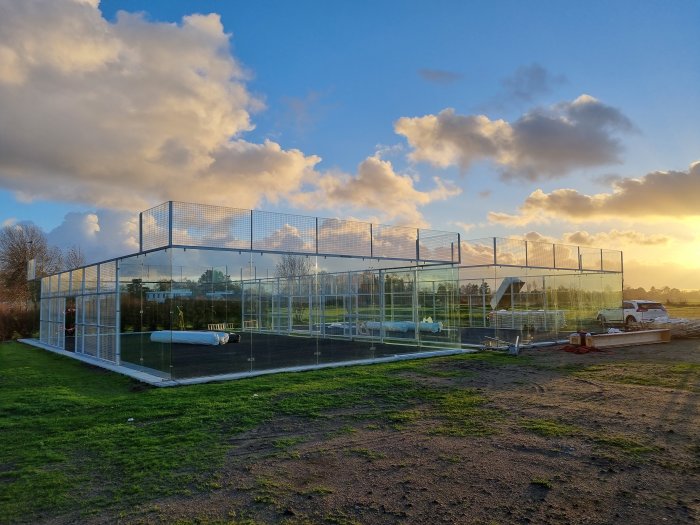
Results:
160 297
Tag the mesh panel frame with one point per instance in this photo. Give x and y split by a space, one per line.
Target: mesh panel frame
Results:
210 226
108 276
394 242
341 237
511 252
76 286
155 224
53 284
477 252
438 246
90 277
566 257
108 310
108 344
612 260
540 254
283 232
90 340
590 258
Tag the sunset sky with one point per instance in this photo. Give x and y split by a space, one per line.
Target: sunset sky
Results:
572 122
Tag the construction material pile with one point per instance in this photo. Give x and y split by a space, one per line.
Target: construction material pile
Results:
680 328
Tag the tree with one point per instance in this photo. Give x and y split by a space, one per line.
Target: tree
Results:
290 266
136 288
485 288
19 244
214 280
73 258
469 289
212 276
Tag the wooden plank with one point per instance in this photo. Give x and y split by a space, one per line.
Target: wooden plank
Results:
641 337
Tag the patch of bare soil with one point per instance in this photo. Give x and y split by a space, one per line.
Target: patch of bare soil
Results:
610 437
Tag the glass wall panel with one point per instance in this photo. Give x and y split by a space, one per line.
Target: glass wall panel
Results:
534 304
438 312
281 320
146 306
295 310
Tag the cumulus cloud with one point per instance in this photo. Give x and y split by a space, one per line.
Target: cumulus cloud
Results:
378 186
101 234
439 76
660 195
126 114
129 113
545 143
534 236
117 114
613 237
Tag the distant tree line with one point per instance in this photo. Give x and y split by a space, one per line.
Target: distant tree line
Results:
666 295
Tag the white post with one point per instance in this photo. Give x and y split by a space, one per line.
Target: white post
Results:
117 317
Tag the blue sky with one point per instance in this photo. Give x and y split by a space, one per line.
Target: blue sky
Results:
335 107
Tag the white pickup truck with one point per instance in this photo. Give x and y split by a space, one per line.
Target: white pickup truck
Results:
633 311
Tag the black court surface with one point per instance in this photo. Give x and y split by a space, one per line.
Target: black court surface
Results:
254 352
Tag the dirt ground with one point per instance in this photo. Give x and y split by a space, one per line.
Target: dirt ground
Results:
605 437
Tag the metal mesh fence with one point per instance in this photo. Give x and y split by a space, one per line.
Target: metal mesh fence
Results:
566 257
340 237
94 292
212 226
394 242
155 226
108 312
590 258
108 276
76 285
540 254
612 260
201 225
108 344
512 252
478 252
90 340
437 246
53 284
283 233
90 277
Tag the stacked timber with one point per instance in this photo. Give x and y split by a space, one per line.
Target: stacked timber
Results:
680 328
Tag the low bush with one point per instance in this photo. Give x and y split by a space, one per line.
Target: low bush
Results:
17 322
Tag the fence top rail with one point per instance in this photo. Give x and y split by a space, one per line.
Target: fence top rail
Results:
503 251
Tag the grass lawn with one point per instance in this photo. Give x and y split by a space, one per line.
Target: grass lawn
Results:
78 437
545 437
688 311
